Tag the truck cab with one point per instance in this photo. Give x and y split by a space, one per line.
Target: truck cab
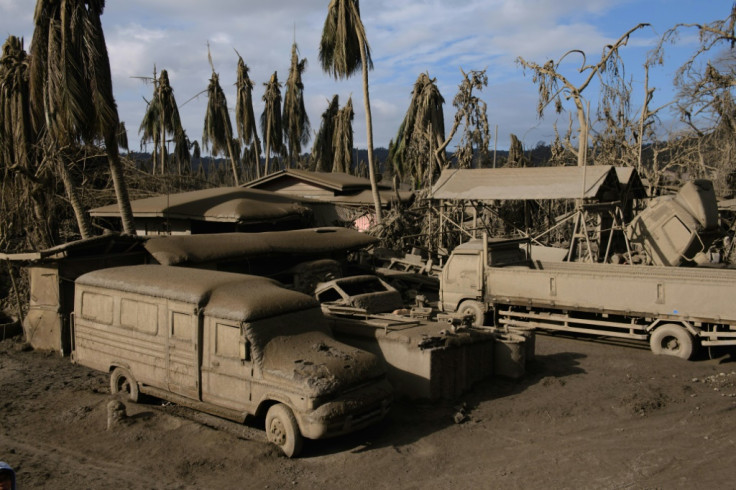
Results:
463 285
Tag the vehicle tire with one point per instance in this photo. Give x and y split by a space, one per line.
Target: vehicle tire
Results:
474 308
121 381
283 431
672 340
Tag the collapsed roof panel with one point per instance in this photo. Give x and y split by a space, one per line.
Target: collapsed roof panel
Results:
199 249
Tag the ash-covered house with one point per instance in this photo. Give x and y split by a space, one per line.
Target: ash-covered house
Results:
217 210
335 197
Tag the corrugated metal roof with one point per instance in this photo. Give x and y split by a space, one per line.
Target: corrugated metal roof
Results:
225 204
526 183
336 181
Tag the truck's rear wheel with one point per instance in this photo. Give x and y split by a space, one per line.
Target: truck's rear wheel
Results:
121 381
672 340
282 430
474 308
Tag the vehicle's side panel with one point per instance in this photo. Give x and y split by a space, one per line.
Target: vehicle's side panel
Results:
226 378
182 349
114 329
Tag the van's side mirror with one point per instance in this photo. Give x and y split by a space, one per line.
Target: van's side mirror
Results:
244 350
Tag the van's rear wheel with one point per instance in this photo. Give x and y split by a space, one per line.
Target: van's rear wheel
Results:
121 381
672 340
474 309
282 430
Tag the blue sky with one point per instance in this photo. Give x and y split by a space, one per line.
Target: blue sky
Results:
406 39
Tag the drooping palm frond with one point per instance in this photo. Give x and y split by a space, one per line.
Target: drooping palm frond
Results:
245 118
161 118
322 150
421 131
218 130
342 140
122 136
71 84
16 131
271 119
295 119
343 36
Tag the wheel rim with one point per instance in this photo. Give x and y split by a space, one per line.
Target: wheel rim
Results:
278 432
671 344
124 385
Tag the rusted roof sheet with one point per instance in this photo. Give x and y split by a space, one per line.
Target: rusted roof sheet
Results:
199 249
224 204
593 182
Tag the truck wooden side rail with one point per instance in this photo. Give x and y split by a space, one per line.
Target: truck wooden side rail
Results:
674 308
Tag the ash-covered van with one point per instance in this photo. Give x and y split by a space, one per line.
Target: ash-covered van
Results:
229 344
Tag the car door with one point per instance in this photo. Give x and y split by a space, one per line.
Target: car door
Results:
227 368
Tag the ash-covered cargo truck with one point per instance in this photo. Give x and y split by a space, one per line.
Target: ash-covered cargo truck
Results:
673 308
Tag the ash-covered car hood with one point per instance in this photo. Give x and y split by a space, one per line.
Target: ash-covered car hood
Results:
318 364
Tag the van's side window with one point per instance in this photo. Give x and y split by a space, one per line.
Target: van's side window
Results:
182 326
97 307
139 316
227 341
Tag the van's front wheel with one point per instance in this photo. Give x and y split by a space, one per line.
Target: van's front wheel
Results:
121 381
282 430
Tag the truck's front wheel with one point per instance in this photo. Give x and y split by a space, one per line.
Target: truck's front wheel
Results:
672 340
282 430
474 309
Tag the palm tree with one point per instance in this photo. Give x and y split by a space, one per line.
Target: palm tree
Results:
423 127
342 140
217 127
18 142
71 85
181 152
161 117
295 119
343 49
323 152
245 118
271 119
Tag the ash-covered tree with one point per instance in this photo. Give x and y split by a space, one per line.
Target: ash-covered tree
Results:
705 85
344 50
245 118
294 118
271 125
71 85
471 112
342 140
323 153
218 130
421 132
554 86
161 119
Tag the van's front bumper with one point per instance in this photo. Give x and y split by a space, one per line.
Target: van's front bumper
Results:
347 413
